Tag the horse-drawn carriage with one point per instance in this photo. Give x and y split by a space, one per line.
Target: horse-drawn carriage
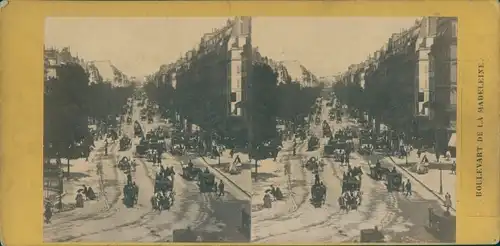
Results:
129 119
161 201
137 129
163 184
348 201
125 143
381 143
371 236
394 181
301 134
351 183
176 150
113 134
317 120
356 172
124 164
206 182
318 195
442 226
313 143
190 172
365 148
189 235
378 172
313 164
141 149
327 132
130 194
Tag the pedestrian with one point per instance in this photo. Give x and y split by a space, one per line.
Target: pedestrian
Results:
106 147
437 156
221 188
408 188
419 152
231 153
237 160
448 155
447 202
424 159
454 168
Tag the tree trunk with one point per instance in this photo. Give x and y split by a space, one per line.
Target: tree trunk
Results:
67 176
256 170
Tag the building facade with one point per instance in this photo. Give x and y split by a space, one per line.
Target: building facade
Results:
443 83
402 66
212 77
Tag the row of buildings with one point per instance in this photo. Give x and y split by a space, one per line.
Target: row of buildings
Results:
218 69
98 71
418 66
210 80
289 71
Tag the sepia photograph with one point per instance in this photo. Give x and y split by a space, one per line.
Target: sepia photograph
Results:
144 138
250 129
361 116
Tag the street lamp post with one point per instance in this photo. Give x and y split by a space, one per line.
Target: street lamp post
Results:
61 187
440 180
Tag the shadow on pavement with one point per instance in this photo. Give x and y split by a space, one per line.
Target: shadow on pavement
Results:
260 177
76 176
247 166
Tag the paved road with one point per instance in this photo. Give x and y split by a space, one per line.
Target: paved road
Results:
404 217
401 218
203 212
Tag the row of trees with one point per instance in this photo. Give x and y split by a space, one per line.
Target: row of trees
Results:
267 102
272 100
69 103
386 96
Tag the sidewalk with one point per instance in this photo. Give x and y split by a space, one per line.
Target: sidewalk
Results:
273 173
84 172
430 181
433 163
241 181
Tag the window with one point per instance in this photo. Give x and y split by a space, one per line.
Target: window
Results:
453 97
454 29
453 52
421 96
453 73
238 69
233 96
238 83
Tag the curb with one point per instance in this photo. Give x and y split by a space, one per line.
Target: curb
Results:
420 182
226 177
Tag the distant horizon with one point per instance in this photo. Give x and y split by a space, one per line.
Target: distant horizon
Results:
139 46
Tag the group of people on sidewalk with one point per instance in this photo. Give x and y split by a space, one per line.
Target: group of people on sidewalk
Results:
424 160
86 193
272 194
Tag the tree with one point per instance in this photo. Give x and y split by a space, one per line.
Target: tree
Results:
264 108
65 111
69 103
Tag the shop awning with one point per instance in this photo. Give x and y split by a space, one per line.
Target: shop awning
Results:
453 140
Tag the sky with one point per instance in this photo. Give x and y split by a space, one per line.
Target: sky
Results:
139 46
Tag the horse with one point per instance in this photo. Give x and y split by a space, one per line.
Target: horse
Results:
343 204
